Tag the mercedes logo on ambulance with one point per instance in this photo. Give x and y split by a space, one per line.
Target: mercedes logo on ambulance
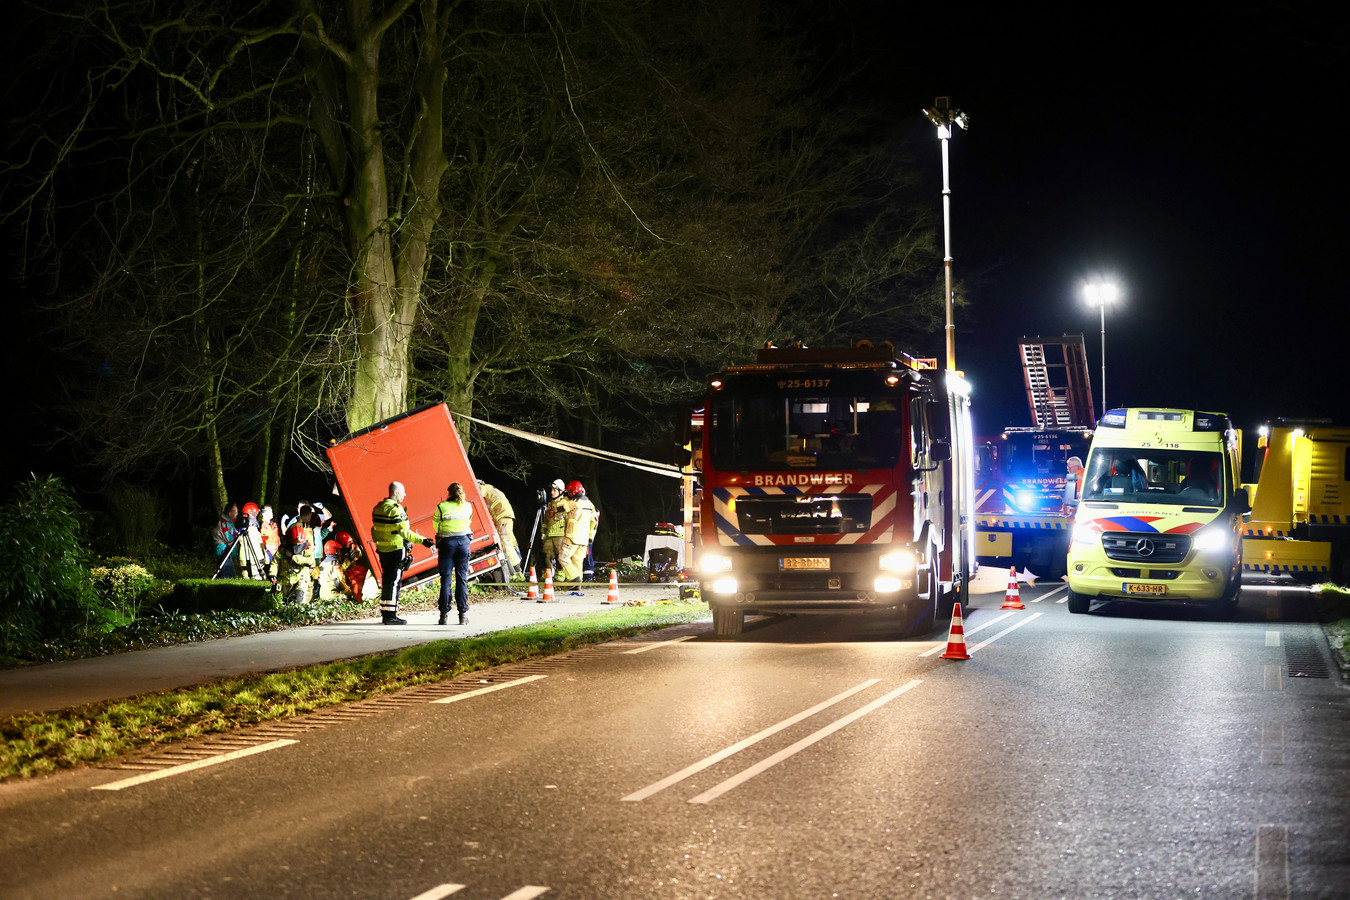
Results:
1144 547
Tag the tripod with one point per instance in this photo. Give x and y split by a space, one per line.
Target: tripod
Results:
534 535
250 555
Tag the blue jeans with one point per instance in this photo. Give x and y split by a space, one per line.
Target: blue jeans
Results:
453 556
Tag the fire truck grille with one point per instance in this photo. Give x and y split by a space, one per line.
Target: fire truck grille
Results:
1153 549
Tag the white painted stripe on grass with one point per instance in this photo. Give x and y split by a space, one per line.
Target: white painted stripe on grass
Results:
188 767
967 632
489 689
439 891
741 745
528 892
714 792
644 648
987 641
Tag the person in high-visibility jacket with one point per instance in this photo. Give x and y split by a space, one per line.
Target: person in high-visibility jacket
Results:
577 534
393 539
297 559
554 525
454 533
504 517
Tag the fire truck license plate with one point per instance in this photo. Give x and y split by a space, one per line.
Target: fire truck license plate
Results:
1145 588
816 563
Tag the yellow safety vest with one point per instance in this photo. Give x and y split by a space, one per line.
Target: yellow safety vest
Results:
390 526
453 517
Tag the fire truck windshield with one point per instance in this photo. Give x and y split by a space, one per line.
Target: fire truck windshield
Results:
777 430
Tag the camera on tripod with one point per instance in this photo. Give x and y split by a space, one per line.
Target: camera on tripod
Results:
542 496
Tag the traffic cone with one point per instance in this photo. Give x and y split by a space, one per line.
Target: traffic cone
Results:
613 596
548 588
1014 598
534 587
956 638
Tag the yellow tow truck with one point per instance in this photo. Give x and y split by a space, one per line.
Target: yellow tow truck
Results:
1300 519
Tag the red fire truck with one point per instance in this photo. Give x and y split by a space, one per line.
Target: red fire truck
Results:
836 480
422 449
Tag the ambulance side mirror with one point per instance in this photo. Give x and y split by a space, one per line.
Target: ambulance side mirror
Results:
1241 504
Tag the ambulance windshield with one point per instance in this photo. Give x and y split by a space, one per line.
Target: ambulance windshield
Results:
756 430
1134 475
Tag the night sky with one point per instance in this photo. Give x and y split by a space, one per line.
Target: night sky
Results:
1191 153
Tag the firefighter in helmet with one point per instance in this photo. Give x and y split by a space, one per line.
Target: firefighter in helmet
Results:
577 533
554 524
504 517
393 539
353 571
298 558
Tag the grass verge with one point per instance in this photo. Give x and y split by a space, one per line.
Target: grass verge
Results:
44 742
1333 611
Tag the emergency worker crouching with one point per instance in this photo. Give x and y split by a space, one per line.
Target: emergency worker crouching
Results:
297 559
554 525
352 571
504 517
393 539
577 533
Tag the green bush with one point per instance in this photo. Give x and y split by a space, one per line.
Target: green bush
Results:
195 596
168 565
45 587
128 587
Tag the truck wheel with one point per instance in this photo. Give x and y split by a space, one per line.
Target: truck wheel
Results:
728 622
1078 603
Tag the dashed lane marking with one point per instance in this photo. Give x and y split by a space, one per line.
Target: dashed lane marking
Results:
714 792
741 745
688 637
1272 639
987 641
188 767
528 892
1272 862
489 689
1273 678
976 630
1272 744
439 891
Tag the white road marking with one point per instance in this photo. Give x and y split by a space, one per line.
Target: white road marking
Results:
741 745
1273 678
646 647
528 892
714 792
1272 744
985 643
441 890
188 767
1049 594
1272 862
978 628
489 689
1272 639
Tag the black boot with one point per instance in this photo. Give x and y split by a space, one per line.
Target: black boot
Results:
464 618
393 619
441 620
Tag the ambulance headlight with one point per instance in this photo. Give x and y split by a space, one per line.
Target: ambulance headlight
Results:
714 563
1084 533
902 561
1213 539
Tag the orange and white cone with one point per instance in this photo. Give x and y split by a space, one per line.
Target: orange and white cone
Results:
956 637
534 587
1013 600
548 588
613 596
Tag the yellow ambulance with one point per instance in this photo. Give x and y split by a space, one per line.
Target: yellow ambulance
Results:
1161 511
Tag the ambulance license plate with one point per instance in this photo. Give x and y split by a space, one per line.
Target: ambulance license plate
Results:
810 563
1145 588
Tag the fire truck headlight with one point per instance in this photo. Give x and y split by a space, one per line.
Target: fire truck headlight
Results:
1213 539
724 586
714 563
902 561
1084 533
886 584
1025 500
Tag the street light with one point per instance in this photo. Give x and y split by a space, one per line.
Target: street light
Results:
944 117
1099 294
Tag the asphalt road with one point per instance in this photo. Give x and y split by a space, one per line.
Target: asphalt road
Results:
1135 752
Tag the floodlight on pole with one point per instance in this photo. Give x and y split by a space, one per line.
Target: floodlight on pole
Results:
1099 294
944 116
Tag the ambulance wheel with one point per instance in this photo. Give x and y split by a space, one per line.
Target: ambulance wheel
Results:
1078 603
728 622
